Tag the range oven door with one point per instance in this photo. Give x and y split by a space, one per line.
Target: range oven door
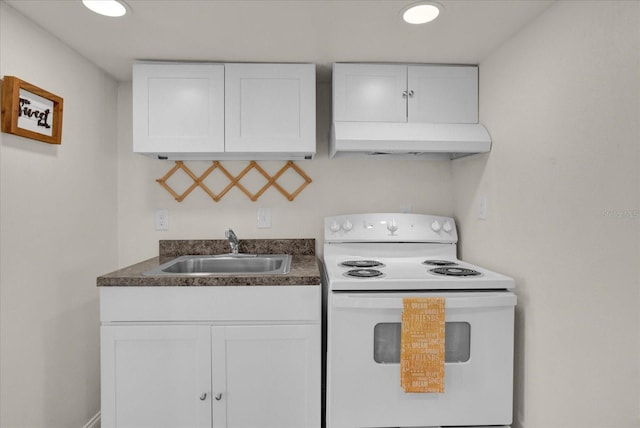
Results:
363 362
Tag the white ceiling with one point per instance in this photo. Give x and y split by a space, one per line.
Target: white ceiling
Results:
318 31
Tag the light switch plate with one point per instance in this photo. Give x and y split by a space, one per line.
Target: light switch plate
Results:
264 218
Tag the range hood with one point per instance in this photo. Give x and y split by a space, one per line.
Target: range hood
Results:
408 140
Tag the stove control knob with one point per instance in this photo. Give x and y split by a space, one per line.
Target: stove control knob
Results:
447 227
435 226
347 226
392 225
334 227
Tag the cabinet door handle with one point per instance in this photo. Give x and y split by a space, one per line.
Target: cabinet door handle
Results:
203 396
404 94
411 93
218 396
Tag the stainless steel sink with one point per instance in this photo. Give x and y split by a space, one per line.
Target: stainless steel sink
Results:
228 264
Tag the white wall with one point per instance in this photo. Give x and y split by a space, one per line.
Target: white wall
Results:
339 186
562 103
57 233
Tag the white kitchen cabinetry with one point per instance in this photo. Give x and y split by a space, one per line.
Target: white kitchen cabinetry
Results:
222 357
178 109
208 111
262 377
270 108
405 93
154 376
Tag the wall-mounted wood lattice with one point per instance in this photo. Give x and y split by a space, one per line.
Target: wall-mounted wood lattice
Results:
198 181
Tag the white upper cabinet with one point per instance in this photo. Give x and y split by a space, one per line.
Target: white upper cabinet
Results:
442 94
178 108
270 108
369 93
405 93
224 111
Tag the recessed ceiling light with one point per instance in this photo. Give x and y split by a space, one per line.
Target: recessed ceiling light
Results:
113 8
421 13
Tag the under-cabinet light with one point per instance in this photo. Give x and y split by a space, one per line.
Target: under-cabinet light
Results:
112 8
421 13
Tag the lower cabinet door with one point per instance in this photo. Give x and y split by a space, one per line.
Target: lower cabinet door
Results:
156 376
266 376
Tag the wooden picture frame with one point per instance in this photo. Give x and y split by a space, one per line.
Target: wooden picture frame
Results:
30 111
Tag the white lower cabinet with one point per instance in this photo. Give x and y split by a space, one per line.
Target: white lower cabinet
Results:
154 376
262 376
246 373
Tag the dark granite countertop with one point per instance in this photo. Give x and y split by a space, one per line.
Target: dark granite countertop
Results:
304 264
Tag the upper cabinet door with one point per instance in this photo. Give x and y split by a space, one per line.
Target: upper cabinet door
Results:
270 108
369 93
443 94
178 108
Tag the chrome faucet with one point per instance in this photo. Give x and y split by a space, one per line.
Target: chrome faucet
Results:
233 241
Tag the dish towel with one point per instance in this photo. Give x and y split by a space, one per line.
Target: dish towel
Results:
422 346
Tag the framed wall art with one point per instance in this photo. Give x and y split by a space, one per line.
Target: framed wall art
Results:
30 111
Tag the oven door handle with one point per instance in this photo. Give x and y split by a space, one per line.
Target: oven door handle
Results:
484 300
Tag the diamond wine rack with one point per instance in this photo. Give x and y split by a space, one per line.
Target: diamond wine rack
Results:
198 180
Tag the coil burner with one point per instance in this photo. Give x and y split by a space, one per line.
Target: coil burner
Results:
361 263
439 263
455 271
363 273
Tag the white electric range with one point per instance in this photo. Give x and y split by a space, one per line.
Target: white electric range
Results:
373 261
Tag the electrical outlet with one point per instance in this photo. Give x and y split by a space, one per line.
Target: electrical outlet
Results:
482 207
162 219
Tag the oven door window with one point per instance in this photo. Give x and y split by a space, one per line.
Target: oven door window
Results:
387 337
